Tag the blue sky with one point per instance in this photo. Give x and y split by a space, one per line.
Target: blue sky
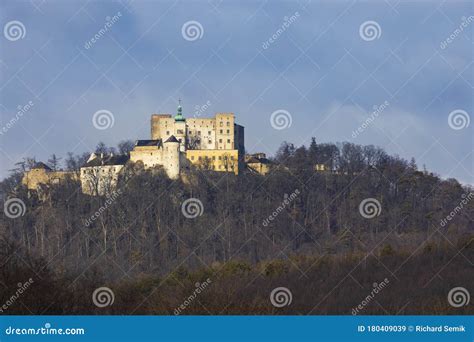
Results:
319 69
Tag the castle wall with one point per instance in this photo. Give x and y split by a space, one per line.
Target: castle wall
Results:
202 130
217 160
149 155
157 121
99 180
219 132
171 159
225 131
33 178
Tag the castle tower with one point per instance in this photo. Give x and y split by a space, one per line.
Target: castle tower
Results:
180 128
171 162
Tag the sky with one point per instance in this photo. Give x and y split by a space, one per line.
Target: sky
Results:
394 74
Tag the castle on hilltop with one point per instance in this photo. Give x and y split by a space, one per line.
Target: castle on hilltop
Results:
210 143
176 144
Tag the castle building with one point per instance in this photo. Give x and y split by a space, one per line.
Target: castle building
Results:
258 163
156 152
41 174
209 143
176 143
99 176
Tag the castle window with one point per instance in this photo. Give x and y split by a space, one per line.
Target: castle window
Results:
199 132
220 158
167 132
228 131
210 142
190 132
228 123
222 124
221 131
200 158
209 133
228 140
220 140
213 157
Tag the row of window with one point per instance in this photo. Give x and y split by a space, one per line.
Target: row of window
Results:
214 158
103 170
180 131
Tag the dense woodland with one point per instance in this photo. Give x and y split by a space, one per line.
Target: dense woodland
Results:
319 245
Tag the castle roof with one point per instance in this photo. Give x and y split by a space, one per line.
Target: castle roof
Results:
41 165
172 139
156 142
253 160
107 160
179 114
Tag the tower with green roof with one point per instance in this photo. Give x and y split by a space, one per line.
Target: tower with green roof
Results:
179 115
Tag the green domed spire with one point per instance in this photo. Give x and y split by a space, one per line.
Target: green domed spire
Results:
179 114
